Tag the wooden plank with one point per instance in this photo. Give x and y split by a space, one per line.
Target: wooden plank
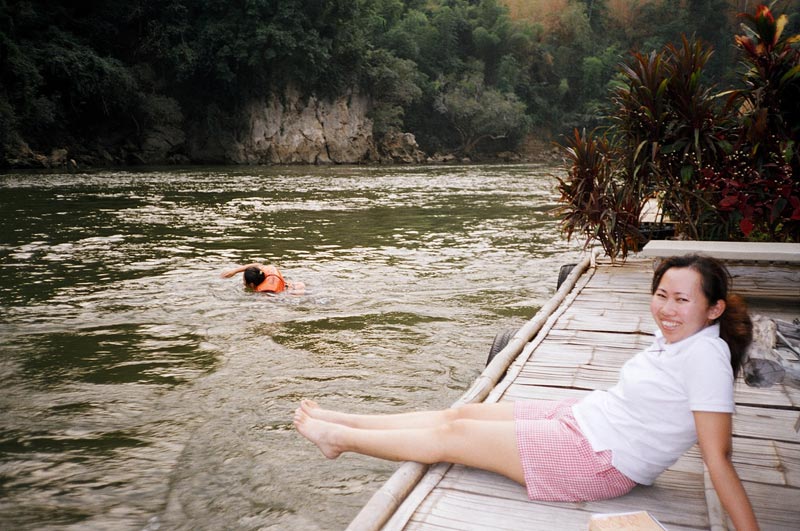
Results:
680 506
587 377
457 509
766 423
778 395
777 508
766 251
527 392
448 509
609 340
586 321
554 353
767 462
405 510
557 352
625 302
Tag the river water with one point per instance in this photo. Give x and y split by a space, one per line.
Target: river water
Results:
142 391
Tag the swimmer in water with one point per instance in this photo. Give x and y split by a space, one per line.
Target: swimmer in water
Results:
265 279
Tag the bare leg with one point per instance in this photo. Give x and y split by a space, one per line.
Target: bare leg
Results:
421 419
486 444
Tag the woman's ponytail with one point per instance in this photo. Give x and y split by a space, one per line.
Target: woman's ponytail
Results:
736 328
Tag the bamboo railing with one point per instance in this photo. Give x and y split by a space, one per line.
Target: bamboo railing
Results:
383 504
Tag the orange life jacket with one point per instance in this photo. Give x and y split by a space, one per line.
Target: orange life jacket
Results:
273 280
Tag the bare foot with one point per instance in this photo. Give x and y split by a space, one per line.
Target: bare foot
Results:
319 432
309 407
312 409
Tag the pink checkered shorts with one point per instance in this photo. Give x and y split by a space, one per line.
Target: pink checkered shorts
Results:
558 461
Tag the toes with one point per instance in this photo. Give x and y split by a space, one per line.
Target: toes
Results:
308 404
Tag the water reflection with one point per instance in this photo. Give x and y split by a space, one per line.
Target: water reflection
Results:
143 391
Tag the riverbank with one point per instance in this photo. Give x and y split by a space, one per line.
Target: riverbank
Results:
400 148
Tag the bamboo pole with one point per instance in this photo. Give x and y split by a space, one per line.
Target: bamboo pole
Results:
388 498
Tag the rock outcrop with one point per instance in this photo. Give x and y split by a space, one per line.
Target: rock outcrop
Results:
20 155
162 144
400 148
294 130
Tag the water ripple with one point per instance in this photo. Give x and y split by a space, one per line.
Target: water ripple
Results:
143 391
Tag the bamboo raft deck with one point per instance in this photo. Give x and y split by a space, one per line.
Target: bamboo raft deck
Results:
578 343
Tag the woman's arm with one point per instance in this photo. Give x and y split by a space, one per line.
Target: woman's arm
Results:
240 269
714 435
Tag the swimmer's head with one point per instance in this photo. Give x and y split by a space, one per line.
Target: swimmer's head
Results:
253 276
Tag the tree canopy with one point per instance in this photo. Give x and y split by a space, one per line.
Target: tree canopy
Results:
462 75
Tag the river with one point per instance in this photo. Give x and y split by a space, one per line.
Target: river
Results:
142 391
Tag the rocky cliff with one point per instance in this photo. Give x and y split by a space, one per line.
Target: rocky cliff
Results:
284 129
292 129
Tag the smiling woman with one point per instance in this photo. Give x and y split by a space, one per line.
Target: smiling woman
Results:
674 394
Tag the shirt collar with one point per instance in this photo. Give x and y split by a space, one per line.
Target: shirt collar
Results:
711 330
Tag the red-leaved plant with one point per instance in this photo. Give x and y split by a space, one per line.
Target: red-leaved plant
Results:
721 168
760 183
597 204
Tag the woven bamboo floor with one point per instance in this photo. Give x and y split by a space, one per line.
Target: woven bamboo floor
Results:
602 322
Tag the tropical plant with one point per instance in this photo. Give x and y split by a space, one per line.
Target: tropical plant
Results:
693 138
759 185
664 132
719 171
598 204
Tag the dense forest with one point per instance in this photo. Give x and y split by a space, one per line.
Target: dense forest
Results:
468 77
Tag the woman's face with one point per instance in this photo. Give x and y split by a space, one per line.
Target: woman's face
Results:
680 307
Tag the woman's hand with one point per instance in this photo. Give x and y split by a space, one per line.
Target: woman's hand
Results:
240 269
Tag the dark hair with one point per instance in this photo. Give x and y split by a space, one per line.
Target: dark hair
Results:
253 276
735 326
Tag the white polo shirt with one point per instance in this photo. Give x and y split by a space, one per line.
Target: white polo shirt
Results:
646 419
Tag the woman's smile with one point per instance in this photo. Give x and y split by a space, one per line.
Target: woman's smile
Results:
679 306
